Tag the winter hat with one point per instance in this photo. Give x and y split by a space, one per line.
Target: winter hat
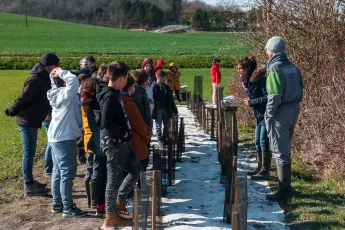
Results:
145 62
49 59
171 65
276 44
91 59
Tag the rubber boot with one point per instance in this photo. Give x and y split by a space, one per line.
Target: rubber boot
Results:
258 169
88 194
264 173
284 191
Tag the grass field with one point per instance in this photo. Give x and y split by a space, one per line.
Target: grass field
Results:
44 35
10 141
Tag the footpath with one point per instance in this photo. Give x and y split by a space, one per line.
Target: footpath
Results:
196 201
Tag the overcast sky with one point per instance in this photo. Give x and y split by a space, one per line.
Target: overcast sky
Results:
211 2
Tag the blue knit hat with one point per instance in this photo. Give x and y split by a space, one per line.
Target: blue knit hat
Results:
276 44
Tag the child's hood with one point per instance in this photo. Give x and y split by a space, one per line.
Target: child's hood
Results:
53 97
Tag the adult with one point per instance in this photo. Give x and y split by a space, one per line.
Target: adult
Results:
84 68
253 79
31 108
285 92
159 66
92 64
216 77
147 66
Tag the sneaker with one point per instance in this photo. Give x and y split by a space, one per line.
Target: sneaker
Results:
39 184
100 210
73 212
35 191
57 208
112 221
121 210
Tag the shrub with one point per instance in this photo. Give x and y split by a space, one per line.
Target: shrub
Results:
134 61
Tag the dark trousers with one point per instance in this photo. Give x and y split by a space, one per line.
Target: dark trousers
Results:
177 94
120 157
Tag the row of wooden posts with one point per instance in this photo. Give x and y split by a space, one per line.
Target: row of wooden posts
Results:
220 122
153 184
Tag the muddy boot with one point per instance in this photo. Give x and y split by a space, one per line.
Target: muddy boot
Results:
264 174
258 169
121 210
284 191
88 193
112 221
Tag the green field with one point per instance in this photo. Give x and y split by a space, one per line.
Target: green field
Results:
44 35
10 141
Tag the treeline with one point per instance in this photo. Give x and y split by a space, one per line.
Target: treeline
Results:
120 13
127 14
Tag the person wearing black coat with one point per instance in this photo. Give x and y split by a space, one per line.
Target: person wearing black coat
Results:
253 79
31 108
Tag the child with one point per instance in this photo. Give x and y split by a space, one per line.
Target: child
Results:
149 94
159 66
173 76
165 106
95 178
115 138
63 131
147 66
141 131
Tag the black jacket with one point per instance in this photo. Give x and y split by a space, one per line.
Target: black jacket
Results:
163 99
114 118
32 106
258 94
142 102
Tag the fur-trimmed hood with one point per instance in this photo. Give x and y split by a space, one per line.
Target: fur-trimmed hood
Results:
258 74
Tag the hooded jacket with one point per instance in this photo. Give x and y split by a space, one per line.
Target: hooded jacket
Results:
173 79
163 99
141 130
159 65
142 102
256 91
284 83
66 121
91 124
216 75
32 106
114 118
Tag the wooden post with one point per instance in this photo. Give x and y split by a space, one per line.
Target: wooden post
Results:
136 209
234 174
212 124
233 133
235 222
219 137
154 199
203 117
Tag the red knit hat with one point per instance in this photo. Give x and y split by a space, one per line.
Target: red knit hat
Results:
145 62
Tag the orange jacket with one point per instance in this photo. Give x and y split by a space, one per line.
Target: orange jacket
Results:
216 75
173 80
141 130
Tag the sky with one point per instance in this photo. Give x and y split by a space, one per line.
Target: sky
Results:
211 2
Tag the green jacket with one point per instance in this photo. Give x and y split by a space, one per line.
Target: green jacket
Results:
284 83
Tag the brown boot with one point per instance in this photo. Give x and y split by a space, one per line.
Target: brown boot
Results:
258 169
112 221
264 174
121 210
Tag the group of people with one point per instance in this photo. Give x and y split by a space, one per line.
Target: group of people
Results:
106 115
274 95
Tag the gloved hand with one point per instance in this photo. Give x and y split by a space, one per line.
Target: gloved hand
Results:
8 112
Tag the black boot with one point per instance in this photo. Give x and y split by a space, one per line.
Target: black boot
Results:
88 193
257 170
264 174
284 191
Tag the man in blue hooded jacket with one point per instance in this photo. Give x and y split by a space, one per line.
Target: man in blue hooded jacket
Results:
285 91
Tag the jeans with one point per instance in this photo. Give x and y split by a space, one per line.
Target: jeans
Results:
48 161
64 172
261 139
162 116
120 157
29 141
